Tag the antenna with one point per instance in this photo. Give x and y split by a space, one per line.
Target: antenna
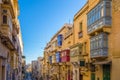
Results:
69 21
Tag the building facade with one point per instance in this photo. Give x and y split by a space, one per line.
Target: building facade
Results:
96 34
93 51
35 69
23 67
10 41
40 59
57 54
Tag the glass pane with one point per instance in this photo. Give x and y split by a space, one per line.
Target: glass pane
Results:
102 12
108 11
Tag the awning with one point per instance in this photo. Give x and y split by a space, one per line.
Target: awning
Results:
103 62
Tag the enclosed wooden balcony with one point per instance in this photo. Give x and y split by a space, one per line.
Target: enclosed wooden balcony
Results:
101 25
76 52
99 53
9 5
65 55
6 36
99 18
53 59
99 46
58 57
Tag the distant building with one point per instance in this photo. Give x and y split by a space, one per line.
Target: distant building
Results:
23 67
35 69
28 68
40 59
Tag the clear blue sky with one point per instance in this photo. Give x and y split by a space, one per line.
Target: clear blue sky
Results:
41 19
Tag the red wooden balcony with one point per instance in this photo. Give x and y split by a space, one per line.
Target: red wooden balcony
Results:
65 56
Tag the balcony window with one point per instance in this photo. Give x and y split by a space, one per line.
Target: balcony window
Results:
50 59
99 16
4 19
108 9
58 59
59 39
80 34
53 58
99 45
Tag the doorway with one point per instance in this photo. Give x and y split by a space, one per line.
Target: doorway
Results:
3 72
92 76
106 72
81 77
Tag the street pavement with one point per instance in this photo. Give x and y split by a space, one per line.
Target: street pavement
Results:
28 77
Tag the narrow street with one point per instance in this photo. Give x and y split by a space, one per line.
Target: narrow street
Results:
59 39
28 76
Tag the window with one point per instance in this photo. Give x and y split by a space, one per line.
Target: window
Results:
80 26
4 19
5 11
92 68
108 11
82 63
80 50
80 34
85 47
56 43
99 15
100 42
102 12
60 39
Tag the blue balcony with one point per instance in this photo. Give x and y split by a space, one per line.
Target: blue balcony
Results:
59 39
103 22
103 52
99 17
50 59
99 46
58 58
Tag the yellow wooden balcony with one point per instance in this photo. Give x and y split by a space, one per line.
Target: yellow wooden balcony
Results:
6 36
